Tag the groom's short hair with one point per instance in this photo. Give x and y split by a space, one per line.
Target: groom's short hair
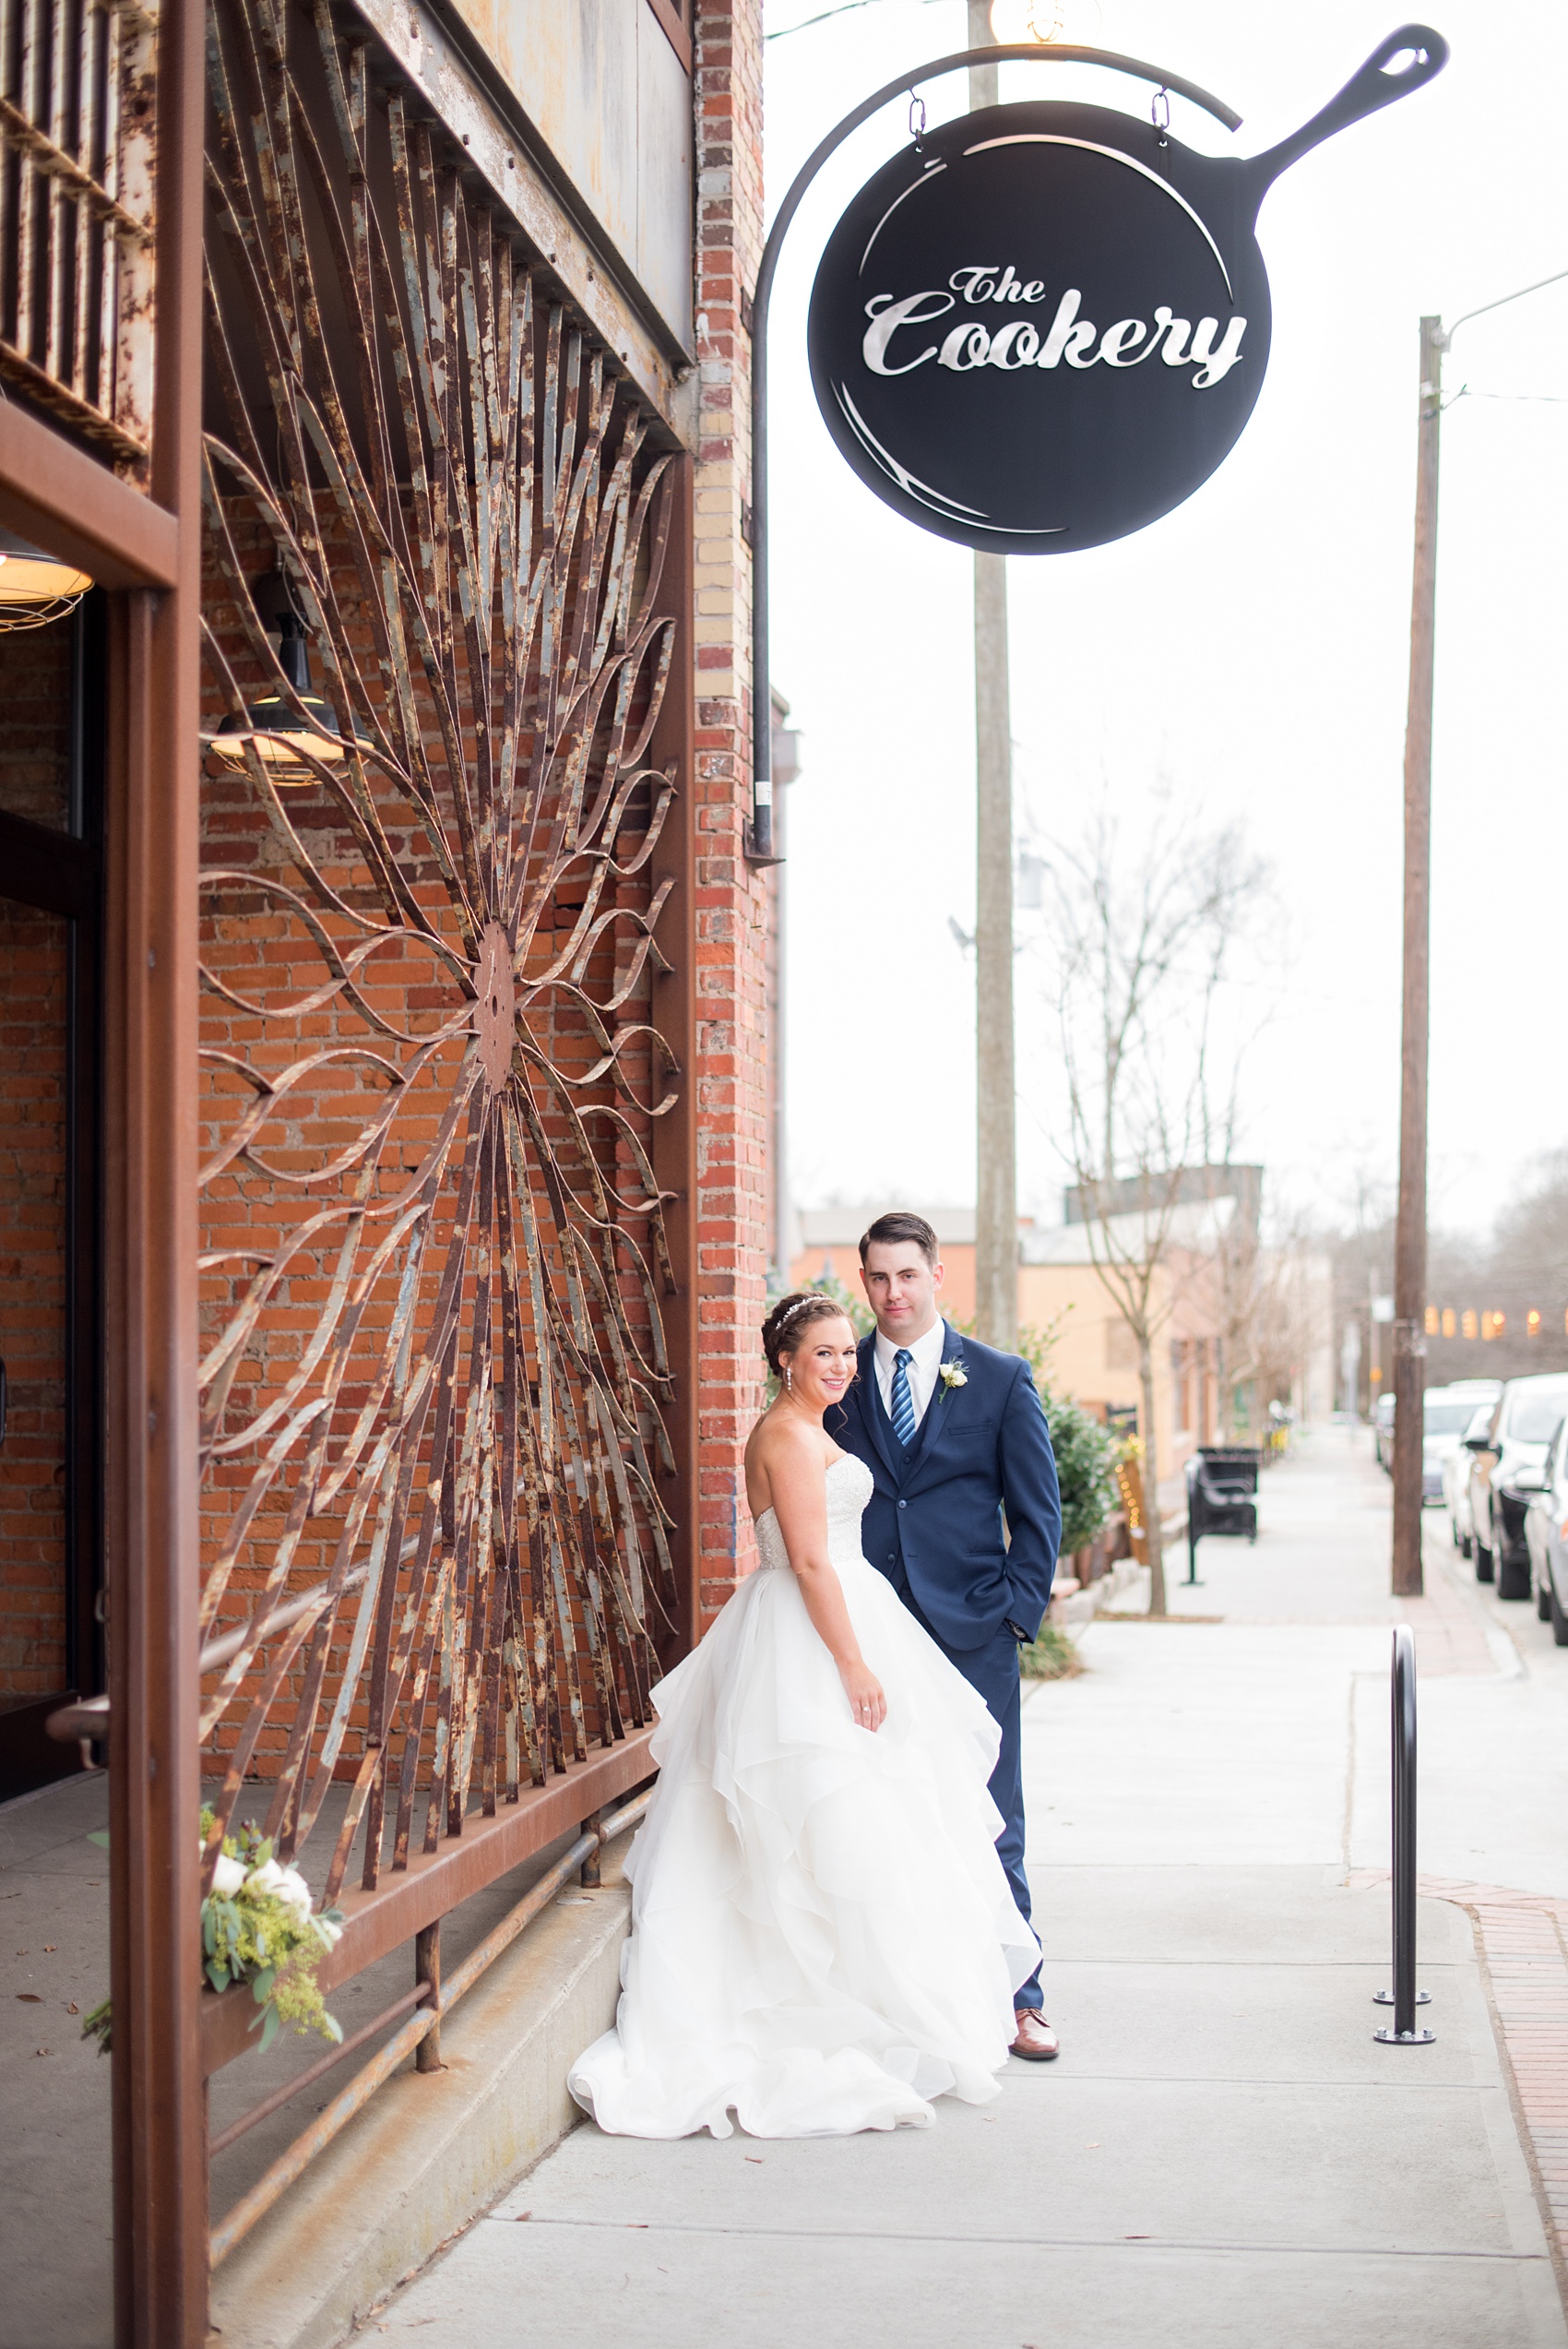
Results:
898 1227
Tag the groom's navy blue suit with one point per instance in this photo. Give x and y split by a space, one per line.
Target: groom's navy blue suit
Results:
933 1525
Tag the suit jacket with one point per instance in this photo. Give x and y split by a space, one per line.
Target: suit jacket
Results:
981 1455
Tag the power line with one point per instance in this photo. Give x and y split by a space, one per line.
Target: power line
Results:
845 9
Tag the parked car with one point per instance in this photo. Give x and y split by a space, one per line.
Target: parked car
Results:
1446 1416
1546 1538
1456 1482
1506 1460
1383 1432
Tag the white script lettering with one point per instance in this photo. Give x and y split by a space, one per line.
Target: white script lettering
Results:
887 316
964 348
1017 343
1215 366
977 282
1061 327
1119 338
1018 336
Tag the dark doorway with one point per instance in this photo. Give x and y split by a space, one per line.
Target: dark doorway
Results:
50 1448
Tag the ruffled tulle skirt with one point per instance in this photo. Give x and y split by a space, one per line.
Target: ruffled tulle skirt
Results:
823 1937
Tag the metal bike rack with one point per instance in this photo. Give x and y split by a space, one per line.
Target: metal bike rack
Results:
1403 1997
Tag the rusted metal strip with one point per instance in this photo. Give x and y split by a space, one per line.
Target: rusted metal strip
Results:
537 1898
423 1994
16 132
268 2189
375 1923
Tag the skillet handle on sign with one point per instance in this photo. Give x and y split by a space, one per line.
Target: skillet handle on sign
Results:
1377 84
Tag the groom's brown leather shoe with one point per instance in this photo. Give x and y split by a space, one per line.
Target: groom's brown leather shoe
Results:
1035 2042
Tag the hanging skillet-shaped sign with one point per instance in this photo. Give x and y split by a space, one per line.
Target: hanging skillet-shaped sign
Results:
1046 325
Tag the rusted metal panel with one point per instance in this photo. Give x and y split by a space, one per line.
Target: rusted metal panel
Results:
446 64
438 1882
80 111
437 1259
610 103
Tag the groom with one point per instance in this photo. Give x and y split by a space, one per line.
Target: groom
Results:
956 1439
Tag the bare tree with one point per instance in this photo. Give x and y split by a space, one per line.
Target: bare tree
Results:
1146 931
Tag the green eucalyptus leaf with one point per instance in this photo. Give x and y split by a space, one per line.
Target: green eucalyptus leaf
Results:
217 1974
269 2029
99 1835
261 1985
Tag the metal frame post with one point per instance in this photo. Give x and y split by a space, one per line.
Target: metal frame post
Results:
149 1181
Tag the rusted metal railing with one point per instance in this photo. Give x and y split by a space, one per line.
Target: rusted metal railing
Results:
432 1999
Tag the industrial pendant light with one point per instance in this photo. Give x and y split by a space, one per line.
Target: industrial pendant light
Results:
274 729
35 588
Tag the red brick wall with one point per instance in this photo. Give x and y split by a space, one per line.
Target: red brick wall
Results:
34 782
732 905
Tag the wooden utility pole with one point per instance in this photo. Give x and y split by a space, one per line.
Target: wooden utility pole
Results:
997 1173
1411 1231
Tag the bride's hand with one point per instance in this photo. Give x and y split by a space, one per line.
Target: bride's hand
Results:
867 1703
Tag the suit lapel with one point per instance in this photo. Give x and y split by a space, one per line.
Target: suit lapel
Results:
939 1412
865 1401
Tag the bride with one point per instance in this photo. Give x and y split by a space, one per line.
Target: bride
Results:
823 1938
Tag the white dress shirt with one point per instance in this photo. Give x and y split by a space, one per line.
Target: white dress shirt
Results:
925 1357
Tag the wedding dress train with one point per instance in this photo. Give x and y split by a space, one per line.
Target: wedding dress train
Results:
822 1936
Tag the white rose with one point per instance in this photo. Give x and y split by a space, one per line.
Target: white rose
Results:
331 1934
229 1875
268 1877
292 1889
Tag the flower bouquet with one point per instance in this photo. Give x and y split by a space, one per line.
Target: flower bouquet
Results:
257 1926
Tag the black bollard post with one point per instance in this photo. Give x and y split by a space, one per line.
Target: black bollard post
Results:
1403 1997
1192 1582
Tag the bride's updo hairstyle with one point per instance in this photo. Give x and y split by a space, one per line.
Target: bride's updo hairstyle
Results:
791 1317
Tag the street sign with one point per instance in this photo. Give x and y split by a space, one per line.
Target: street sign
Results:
1044 326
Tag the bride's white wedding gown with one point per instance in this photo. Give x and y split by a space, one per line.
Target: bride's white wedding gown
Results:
823 1938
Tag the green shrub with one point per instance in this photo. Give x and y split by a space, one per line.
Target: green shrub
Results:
1051 1657
1086 1461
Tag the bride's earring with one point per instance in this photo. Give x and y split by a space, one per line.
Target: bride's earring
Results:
789 1380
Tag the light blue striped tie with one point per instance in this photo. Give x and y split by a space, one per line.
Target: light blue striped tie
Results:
902 1401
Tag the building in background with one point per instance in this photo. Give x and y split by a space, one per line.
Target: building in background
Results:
1240 1323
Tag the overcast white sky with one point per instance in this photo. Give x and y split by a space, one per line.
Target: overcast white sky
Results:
1252 647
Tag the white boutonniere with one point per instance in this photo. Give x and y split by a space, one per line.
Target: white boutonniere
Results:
953 1374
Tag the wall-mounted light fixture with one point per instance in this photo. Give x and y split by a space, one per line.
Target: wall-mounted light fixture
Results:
271 725
35 588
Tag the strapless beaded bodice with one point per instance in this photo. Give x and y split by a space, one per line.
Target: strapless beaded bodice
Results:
848 1490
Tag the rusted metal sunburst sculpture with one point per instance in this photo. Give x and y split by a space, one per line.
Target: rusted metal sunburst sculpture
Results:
432 1246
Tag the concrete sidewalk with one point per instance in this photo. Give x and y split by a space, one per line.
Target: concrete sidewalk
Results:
1223 2154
